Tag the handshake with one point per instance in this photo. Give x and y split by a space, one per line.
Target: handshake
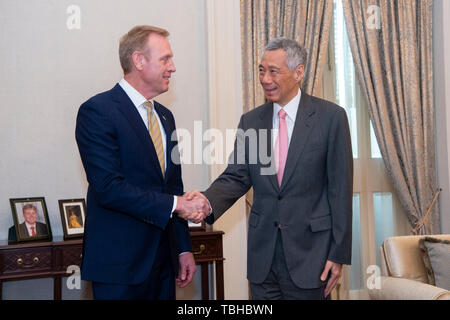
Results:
193 206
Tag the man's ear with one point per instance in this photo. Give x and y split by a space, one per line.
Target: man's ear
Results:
299 72
138 60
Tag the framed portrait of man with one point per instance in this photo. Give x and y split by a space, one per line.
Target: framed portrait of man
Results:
31 220
73 216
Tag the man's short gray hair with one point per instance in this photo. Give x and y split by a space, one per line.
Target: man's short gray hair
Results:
295 53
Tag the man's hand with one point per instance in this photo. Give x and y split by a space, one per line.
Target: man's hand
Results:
193 194
336 272
187 269
193 206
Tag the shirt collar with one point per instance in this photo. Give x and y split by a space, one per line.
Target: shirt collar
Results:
30 225
291 107
137 98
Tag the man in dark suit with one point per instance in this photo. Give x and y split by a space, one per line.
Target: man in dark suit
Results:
299 232
31 227
134 243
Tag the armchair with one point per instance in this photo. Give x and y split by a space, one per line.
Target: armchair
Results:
403 273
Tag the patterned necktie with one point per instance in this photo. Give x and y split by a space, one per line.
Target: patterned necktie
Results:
281 146
155 133
33 233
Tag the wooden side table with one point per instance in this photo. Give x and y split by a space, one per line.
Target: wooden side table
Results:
207 248
35 260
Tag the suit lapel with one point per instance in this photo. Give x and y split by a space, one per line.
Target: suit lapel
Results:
267 124
302 128
127 108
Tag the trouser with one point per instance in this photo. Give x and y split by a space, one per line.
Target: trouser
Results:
279 286
160 284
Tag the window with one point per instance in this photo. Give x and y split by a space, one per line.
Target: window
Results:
376 210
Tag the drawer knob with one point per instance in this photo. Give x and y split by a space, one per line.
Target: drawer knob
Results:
20 263
202 249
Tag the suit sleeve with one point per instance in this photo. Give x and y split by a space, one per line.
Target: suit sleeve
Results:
99 150
234 182
340 187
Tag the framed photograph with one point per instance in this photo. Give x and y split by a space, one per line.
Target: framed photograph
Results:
73 217
201 226
31 219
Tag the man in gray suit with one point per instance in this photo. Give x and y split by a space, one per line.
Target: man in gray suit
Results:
299 232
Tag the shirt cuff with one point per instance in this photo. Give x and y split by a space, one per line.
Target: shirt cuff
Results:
175 201
210 208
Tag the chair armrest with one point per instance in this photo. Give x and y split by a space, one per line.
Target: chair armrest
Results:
406 289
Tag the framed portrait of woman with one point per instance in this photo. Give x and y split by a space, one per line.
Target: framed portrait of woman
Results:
73 217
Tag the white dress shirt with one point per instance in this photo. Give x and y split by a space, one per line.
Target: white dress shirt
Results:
291 109
139 102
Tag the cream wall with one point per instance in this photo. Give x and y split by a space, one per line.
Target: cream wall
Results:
225 107
47 71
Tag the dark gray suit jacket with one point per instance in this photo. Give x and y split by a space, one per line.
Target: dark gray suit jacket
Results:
313 206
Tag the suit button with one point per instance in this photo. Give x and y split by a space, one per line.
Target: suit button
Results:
280 197
275 224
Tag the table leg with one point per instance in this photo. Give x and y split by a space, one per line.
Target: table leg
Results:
57 288
205 281
219 280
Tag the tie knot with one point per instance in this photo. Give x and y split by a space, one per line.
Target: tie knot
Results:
148 104
282 114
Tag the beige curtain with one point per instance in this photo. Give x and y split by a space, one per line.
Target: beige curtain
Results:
394 66
307 21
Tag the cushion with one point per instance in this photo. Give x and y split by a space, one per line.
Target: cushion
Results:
436 258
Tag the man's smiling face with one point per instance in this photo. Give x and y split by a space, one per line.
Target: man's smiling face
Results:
280 84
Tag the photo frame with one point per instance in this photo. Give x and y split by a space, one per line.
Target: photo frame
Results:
31 222
73 217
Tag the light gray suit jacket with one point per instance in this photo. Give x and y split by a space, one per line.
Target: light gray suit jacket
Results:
313 206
